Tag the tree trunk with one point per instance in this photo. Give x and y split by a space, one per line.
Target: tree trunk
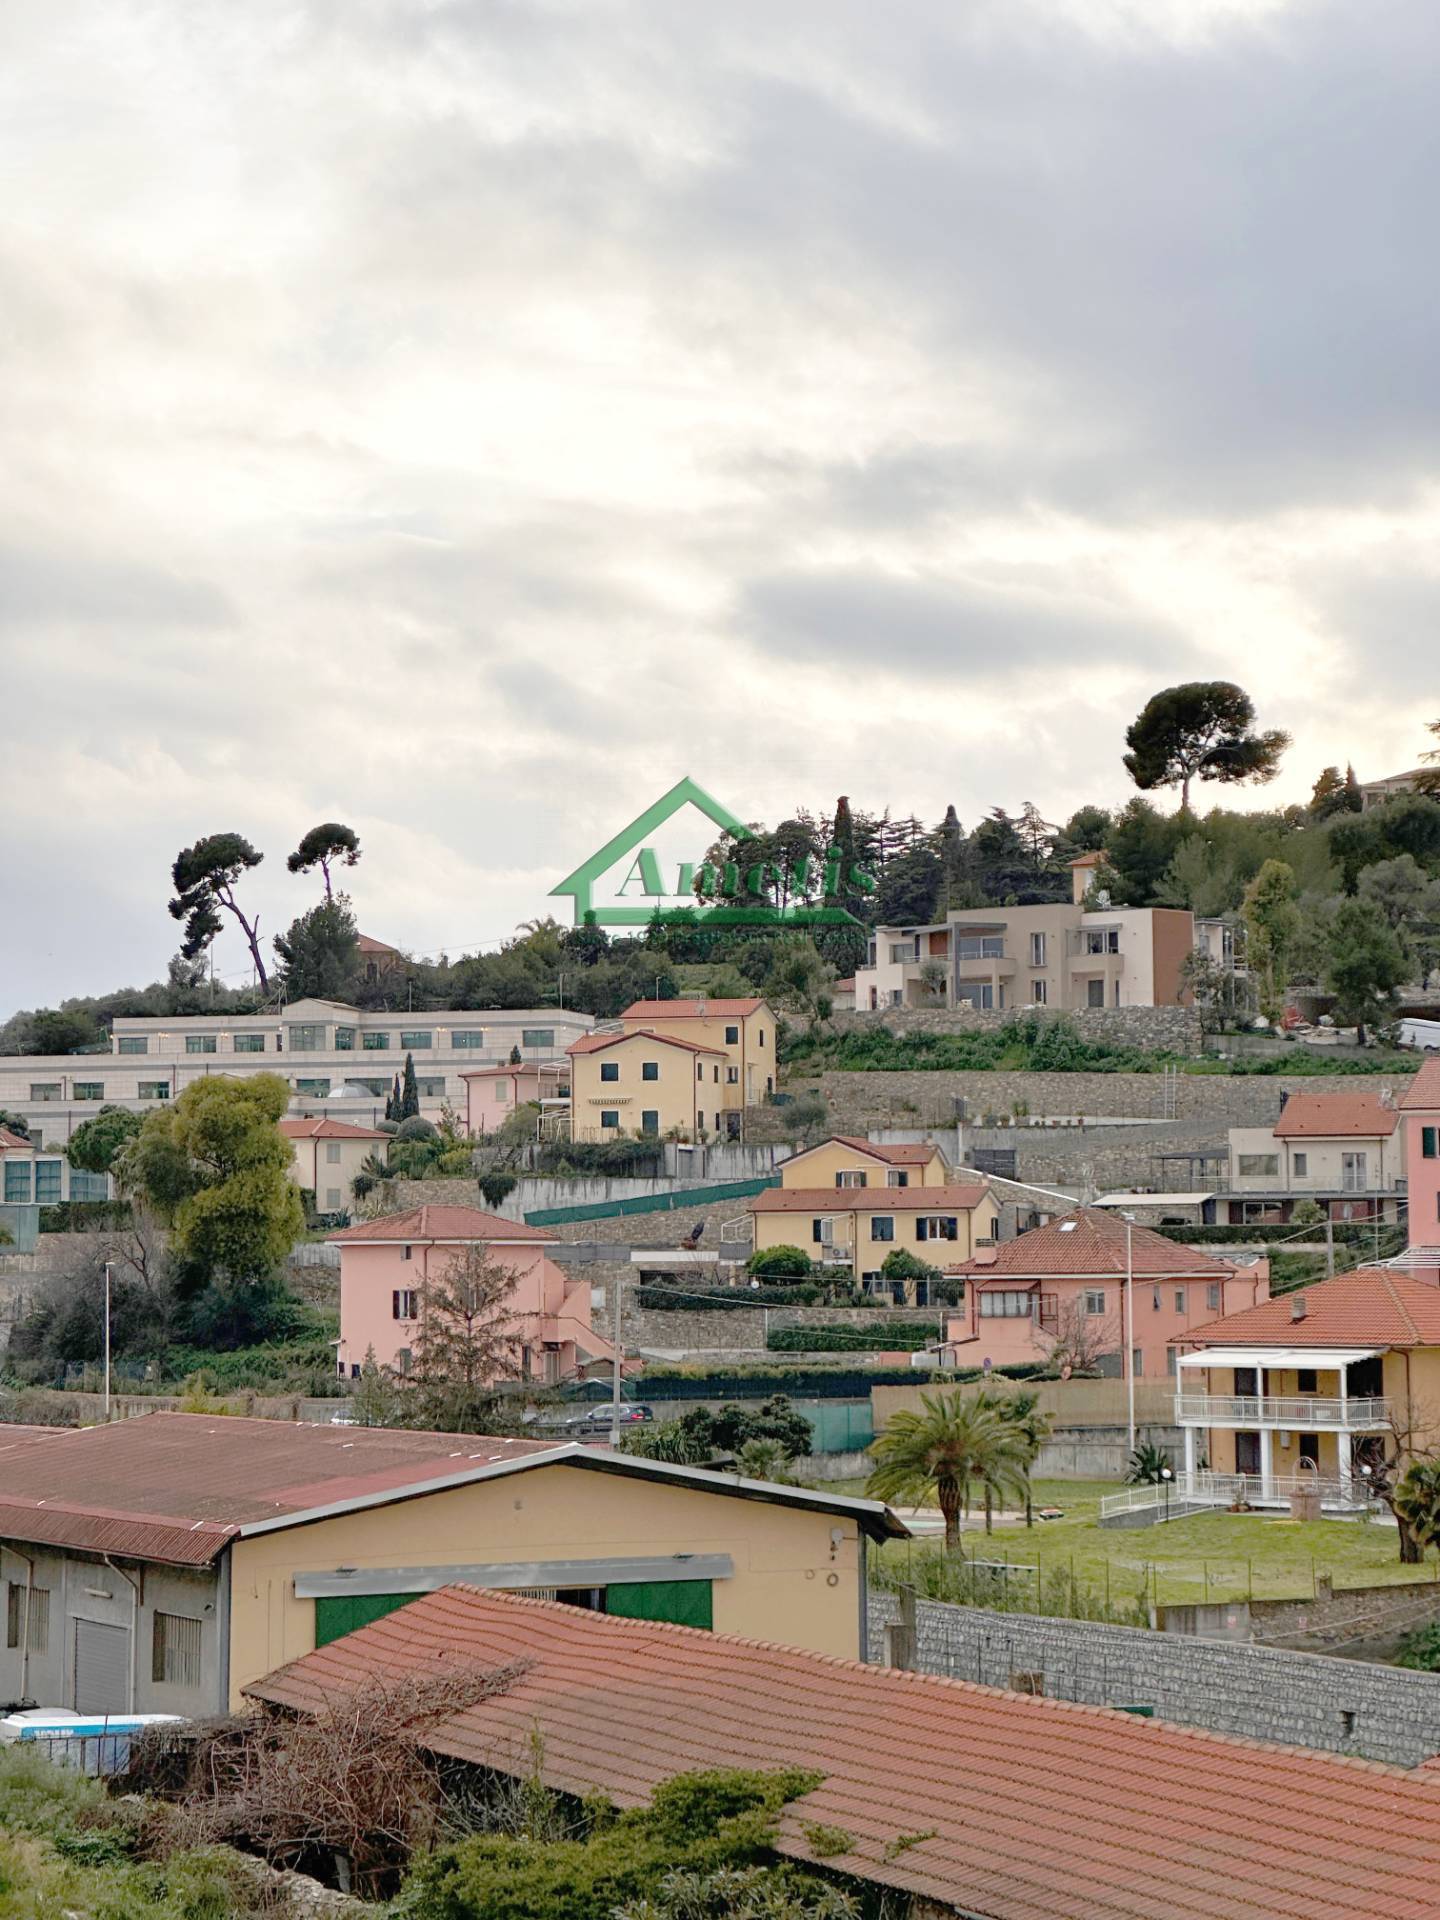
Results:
1411 1553
989 1508
950 1508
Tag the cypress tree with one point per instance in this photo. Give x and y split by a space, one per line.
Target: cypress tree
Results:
410 1098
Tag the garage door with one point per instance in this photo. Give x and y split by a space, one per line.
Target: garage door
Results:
686 1602
347 1611
102 1668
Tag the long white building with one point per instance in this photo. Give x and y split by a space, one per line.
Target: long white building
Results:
337 1059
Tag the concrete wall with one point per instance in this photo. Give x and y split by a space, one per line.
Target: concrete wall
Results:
1257 1693
1354 1619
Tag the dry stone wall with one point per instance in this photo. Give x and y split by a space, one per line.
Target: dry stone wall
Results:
1155 1029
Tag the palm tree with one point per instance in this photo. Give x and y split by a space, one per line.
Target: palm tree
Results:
1416 1504
939 1452
1032 1429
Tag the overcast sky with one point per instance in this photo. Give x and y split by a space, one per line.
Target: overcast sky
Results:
464 419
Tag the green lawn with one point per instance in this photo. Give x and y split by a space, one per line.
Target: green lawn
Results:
1215 1556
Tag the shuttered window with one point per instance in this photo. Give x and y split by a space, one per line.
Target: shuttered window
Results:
175 1650
39 1616
343 1613
688 1603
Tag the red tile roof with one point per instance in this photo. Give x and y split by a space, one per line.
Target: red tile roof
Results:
446 1225
1014 1808
867 1199
1424 1090
176 1486
327 1129
1338 1116
597 1042
691 1009
905 1153
1371 1307
1091 1243
524 1066
11 1142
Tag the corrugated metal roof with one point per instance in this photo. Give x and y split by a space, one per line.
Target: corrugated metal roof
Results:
992 1803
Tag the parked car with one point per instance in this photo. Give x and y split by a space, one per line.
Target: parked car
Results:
600 1419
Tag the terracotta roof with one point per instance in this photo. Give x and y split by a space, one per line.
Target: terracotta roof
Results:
326 1129
448 1225
1091 1242
368 944
1372 1307
1010 1807
597 1042
11 1142
1424 1090
691 1009
1321 1116
867 1199
512 1066
906 1153
176 1486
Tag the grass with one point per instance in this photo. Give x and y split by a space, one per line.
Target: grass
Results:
1212 1556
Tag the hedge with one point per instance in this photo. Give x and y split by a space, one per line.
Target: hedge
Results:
808 1383
852 1339
1347 1232
75 1216
707 1299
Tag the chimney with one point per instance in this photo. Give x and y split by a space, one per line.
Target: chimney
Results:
1082 872
1387 1097
1298 1308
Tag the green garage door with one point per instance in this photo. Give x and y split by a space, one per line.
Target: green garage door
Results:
686 1602
347 1611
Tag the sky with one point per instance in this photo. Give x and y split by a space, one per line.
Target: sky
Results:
463 418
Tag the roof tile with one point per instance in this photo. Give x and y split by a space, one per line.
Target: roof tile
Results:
868 1199
1335 1116
447 1225
1370 1307
1091 1241
1423 1093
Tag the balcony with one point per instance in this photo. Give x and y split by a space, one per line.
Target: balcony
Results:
990 966
1305 1412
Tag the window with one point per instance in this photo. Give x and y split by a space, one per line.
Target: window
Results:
502 1087
132 1043
823 1232
1212 1297
1429 1141
937 1226
175 1651
1006 1304
1155 1299
1101 939
903 951
1039 992
609 1069
1170 1367
1094 1300
153 1090
882 1226
1305 1380
35 1138
1094 993
467 1037
649 1069
420 1040
715 1075
407 1253
1137 1362
248 1042
610 1119
1179 1299
313 1089
405 1303
980 946
850 1178
760 1037
89 1089
374 1042
699 1071
47 1182
1258 1165
332 1153
344 1039
87 1186
979 994
431 1087
1302 1164
897 1177
44 1089
732 1036
201 1043
17 1183
537 1037
732 1076
307 1037
39 1607
1037 949
649 1120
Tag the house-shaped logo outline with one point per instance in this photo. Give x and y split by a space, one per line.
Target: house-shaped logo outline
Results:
579 884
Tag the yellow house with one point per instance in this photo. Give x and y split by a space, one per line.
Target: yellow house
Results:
1310 1389
164 1563
845 1161
861 1226
641 1082
743 1030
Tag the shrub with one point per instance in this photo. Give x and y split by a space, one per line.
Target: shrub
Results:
1421 1648
782 1262
495 1188
664 1297
417 1127
892 1336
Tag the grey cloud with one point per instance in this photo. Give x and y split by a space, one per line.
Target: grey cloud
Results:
46 587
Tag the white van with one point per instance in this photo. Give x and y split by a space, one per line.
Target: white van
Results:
1422 1034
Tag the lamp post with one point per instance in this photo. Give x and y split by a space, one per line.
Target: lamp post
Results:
1167 1476
1129 1220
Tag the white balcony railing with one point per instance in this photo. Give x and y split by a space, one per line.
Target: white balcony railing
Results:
1189 1490
1305 1411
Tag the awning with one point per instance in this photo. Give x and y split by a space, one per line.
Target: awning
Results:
1277 1356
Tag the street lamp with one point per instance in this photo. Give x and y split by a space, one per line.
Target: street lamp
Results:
107 1339
1167 1476
1129 1220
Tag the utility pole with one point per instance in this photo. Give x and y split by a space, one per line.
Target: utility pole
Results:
1329 1247
1130 1326
615 1368
107 1339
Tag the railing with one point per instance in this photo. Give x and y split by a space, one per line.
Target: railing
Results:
1188 1490
1306 1411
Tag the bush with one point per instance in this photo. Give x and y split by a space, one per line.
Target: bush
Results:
896 1334
417 1128
665 1298
1348 1232
782 1262
1421 1649
81 1216
495 1188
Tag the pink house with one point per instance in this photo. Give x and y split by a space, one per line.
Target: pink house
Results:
1420 1114
1068 1280
385 1264
492 1094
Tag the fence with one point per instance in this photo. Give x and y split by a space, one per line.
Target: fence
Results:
679 1200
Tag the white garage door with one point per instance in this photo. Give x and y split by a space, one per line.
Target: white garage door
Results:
102 1668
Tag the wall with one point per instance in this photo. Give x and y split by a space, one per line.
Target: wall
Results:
1071 1403
792 1581
1354 1618
1157 1029
1256 1693
736 1329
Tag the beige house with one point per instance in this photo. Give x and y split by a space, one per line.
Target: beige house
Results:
1061 955
845 1161
1342 1150
328 1154
652 1084
743 1030
859 1227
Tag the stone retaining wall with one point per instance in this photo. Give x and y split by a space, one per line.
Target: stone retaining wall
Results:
1257 1693
1156 1029
1328 1621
